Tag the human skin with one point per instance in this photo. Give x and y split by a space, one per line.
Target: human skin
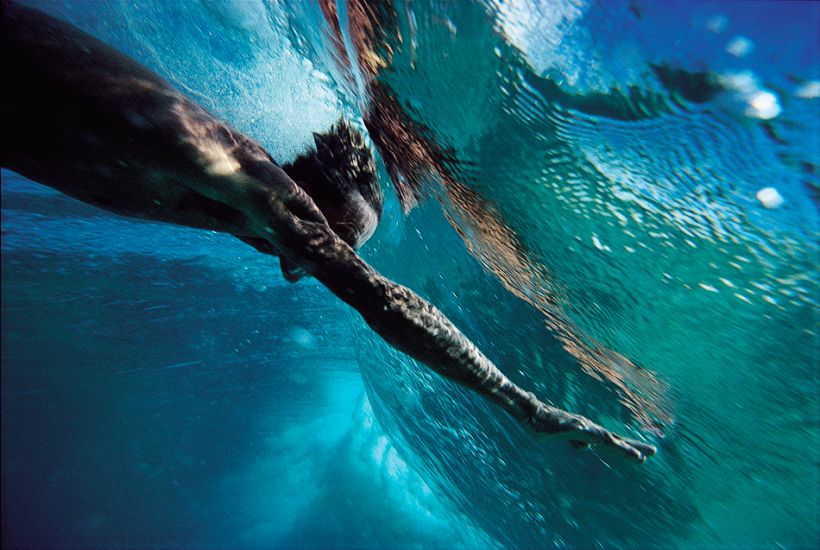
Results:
91 122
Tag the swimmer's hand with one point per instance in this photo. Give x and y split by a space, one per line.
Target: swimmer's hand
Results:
583 432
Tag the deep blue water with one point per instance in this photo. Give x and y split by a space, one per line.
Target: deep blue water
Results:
598 230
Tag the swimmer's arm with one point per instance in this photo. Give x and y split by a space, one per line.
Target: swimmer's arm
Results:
414 326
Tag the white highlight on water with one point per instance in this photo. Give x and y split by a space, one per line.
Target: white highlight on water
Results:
717 23
597 243
740 46
302 337
808 90
763 104
769 197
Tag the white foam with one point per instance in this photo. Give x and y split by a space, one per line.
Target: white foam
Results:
538 29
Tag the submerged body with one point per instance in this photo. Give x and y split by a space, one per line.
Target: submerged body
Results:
93 123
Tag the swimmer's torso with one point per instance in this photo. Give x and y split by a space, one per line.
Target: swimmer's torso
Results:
87 120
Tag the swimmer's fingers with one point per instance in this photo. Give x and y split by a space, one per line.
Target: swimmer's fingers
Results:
287 216
274 197
582 432
593 434
300 205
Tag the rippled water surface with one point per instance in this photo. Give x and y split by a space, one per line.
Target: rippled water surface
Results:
617 201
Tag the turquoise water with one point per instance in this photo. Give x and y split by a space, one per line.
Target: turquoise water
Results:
595 229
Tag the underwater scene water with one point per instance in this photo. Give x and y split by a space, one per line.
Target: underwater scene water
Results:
616 201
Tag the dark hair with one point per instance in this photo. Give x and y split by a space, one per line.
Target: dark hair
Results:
340 176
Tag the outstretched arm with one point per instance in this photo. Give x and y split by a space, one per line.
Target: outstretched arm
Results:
414 326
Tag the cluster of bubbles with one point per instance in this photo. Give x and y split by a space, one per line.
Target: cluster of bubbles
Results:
762 103
759 102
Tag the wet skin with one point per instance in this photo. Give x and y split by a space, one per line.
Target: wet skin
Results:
89 121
